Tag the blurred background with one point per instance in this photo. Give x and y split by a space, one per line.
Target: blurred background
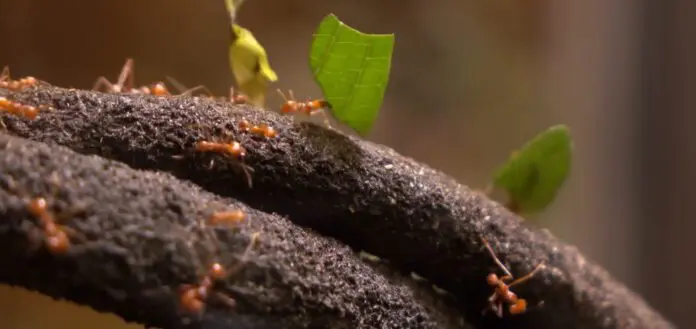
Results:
471 81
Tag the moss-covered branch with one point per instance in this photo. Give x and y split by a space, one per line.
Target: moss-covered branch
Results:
363 194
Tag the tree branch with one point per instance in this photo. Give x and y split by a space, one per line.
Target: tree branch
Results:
363 194
137 237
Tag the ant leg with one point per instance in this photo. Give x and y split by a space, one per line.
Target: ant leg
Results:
227 300
528 275
5 74
489 189
127 73
326 117
495 258
285 98
245 255
72 232
203 88
177 85
103 82
247 173
183 91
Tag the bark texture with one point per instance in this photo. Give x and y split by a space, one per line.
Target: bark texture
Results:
365 195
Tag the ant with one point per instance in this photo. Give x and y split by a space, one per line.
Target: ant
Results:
157 89
27 111
124 84
233 149
193 298
263 129
227 217
16 85
56 236
120 85
502 293
238 98
310 107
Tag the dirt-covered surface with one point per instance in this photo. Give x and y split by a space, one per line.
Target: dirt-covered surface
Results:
140 235
365 195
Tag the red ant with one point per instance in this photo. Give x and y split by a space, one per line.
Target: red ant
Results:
502 293
227 217
27 111
193 298
238 98
310 107
57 240
263 129
16 85
125 83
120 85
233 149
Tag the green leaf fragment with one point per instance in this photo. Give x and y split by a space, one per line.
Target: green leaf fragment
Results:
533 175
352 69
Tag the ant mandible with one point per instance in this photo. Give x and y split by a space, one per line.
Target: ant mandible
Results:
502 293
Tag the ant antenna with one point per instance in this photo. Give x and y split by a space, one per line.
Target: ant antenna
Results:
528 275
245 256
127 73
292 96
497 261
183 91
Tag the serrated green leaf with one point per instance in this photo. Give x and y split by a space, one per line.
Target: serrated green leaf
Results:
533 175
352 69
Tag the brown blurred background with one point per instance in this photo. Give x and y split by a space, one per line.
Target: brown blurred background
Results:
471 81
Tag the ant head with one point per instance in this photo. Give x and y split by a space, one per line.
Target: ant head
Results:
492 279
159 89
217 271
240 99
519 307
289 107
37 206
